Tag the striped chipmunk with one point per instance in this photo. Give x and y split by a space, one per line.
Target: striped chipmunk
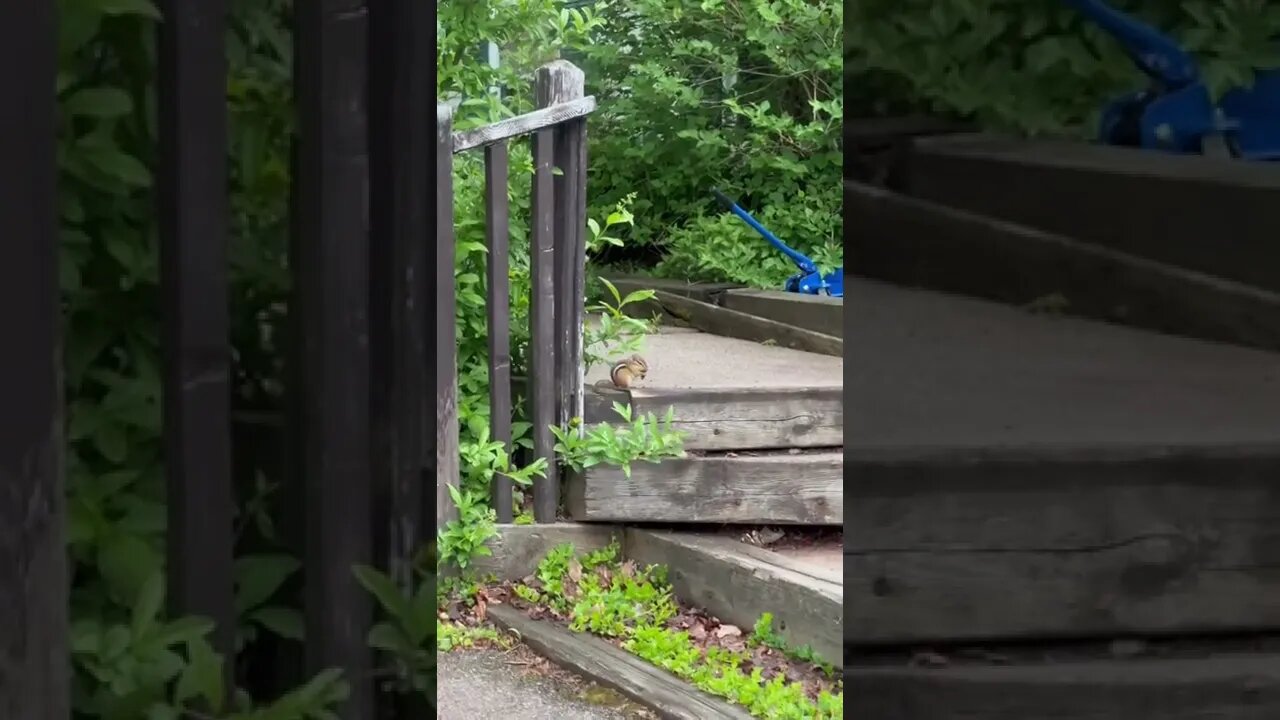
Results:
625 372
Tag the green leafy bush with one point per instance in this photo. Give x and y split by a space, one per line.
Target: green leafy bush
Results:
1039 67
746 95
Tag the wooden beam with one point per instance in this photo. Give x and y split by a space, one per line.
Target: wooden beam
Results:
331 80
524 124
613 667
788 489
498 315
542 329
445 442
820 313
731 323
193 209
557 82
1227 686
401 176
734 418
34 655
1206 215
917 243
517 550
738 583
1101 541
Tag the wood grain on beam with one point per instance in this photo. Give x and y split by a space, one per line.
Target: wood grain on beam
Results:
783 489
523 124
734 418
732 323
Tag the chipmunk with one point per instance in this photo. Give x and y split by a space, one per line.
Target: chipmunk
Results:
625 372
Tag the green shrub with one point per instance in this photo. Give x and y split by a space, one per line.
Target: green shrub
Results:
1039 67
746 95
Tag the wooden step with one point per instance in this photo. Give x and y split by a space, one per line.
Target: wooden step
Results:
1239 687
916 243
1076 542
730 394
738 583
1200 214
819 313
1017 476
803 489
719 419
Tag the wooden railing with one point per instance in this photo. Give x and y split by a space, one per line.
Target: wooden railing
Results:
557 249
358 428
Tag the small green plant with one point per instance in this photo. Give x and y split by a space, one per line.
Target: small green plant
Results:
615 332
636 439
527 594
406 634
596 593
167 670
452 636
763 634
719 672
466 538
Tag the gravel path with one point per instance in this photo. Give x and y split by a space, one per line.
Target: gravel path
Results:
518 684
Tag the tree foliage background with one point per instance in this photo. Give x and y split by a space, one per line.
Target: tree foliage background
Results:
1036 66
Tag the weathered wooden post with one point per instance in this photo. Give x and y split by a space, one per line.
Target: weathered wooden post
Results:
498 315
331 271
446 384
543 346
193 209
400 218
34 656
558 82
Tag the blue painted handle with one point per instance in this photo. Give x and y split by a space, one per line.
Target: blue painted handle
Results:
1158 55
800 260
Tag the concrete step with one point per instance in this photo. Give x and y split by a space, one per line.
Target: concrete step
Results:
1016 476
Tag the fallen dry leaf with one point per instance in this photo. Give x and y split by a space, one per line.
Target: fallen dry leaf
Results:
725 631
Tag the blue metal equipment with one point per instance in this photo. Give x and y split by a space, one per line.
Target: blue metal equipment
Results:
1177 114
809 281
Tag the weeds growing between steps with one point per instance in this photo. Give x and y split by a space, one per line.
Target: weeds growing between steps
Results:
634 608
